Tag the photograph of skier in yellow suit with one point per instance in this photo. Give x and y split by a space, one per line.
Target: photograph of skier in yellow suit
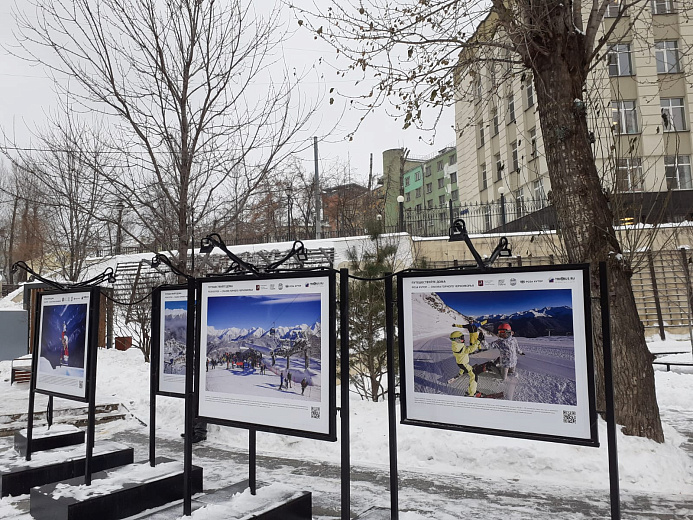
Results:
461 353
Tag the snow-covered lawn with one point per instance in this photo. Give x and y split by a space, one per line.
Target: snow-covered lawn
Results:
643 465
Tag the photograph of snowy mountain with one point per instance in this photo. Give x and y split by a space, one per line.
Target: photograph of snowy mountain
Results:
507 350
264 345
540 368
62 349
175 330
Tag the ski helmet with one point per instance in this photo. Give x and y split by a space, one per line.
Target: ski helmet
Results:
504 327
457 335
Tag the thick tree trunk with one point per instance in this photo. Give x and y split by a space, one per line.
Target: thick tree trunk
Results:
587 233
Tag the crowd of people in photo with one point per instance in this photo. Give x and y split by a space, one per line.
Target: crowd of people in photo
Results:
253 360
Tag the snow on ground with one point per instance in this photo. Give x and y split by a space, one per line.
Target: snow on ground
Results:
643 465
124 376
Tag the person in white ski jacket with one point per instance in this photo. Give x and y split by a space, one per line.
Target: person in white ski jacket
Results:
508 349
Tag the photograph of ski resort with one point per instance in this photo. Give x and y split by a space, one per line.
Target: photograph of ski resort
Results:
509 345
174 326
265 346
63 337
175 330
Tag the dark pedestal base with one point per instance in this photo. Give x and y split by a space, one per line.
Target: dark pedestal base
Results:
19 477
47 441
297 508
293 505
111 496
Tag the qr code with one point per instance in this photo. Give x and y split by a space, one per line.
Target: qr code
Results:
568 417
315 412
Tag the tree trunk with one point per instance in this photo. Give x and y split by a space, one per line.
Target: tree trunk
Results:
586 230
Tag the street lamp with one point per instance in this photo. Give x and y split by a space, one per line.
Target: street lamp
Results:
502 191
400 201
289 191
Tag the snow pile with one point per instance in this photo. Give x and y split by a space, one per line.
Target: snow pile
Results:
266 498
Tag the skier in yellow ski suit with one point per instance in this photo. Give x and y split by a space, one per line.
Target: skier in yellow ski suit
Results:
461 353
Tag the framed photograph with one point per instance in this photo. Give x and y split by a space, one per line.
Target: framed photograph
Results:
169 333
505 352
66 342
267 353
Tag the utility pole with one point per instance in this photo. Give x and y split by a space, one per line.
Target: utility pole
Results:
316 181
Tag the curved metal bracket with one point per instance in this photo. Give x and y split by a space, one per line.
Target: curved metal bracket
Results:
458 232
107 275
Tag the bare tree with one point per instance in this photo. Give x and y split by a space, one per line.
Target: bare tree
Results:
419 52
67 188
25 223
195 117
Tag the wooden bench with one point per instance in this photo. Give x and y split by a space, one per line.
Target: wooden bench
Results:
670 364
21 373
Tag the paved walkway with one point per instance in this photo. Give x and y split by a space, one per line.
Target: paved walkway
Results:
452 498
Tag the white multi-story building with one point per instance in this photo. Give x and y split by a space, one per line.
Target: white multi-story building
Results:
639 101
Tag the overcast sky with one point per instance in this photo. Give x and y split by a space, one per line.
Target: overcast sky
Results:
27 95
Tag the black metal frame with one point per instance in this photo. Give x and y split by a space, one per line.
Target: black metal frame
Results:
157 331
591 441
90 346
330 275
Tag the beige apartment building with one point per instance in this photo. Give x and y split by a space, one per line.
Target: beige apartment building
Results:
639 99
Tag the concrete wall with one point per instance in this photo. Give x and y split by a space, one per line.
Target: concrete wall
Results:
14 333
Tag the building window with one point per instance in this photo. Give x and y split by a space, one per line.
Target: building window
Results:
677 169
673 115
482 139
484 177
429 187
455 195
478 91
453 159
419 207
667 57
625 120
614 8
439 166
418 193
441 200
499 167
407 180
511 109
441 183
408 196
539 193
427 171
530 92
619 60
417 175
496 121
453 178
429 204
629 174
663 6
515 156
533 142
487 217
520 203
